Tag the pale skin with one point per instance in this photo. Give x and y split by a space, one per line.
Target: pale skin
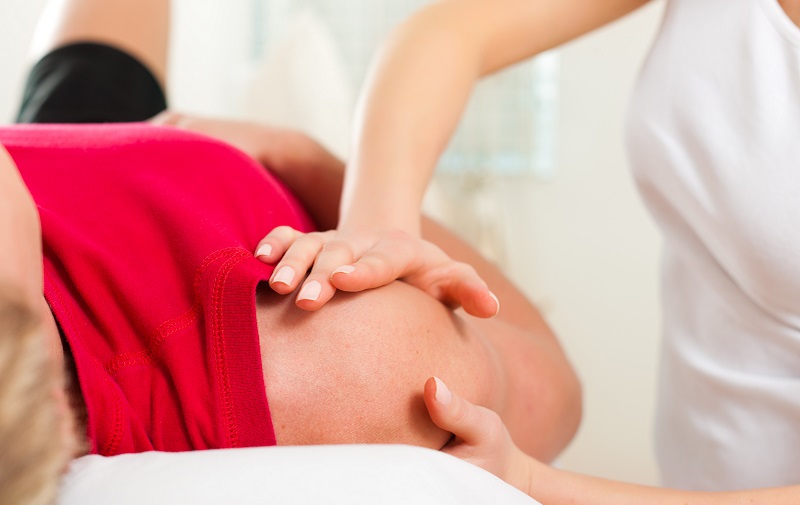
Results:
21 257
481 438
20 266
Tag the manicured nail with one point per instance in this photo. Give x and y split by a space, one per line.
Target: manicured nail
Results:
347 269
443 395
310 291
495 301
285 275
264 250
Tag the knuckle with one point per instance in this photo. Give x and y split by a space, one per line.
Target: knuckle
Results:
313 238
460 413
399 235
282 232
383 264
462 268
460 271
338 246
404 249
493 421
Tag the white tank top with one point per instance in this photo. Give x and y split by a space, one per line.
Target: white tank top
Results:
714 138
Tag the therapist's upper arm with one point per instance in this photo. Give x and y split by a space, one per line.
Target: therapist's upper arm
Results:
508 31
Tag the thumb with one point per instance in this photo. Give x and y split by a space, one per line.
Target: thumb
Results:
458 284
472 294
471 424
481 437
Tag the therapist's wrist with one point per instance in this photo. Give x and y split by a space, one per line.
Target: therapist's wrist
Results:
374 221
380 210
389 197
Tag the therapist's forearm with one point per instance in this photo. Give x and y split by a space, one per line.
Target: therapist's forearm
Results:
557 487
412 102
421 81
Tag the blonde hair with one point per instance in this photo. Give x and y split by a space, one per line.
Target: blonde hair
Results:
35 447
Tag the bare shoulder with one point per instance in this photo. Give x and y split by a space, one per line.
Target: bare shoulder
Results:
353 371
542 401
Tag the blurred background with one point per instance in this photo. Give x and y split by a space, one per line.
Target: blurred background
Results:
536 176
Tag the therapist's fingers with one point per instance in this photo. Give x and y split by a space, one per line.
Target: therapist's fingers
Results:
291 269
375 259
322 262
458 284
480 436
273 246
422 264
317 288
393 256
473 426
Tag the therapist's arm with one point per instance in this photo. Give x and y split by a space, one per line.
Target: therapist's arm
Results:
421 81
481 438
412 101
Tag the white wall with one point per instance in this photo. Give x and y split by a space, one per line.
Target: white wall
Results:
17 19
581 245
593 254
584 249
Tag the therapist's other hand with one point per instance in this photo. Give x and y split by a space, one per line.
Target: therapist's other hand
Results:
479 436
359 261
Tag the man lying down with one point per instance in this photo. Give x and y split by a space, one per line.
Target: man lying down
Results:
163 321
157 328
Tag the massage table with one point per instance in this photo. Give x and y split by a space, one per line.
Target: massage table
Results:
329 475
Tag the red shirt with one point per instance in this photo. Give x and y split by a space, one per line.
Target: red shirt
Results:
148 236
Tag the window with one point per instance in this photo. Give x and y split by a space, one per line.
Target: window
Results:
510 126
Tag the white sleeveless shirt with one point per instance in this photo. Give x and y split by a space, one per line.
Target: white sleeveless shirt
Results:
714 138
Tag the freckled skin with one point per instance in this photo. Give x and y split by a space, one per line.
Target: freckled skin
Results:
352 372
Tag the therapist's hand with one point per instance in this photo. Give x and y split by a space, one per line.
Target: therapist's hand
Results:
479 436
356 261
349 261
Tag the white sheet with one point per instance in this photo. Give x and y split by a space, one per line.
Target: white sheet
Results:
330 475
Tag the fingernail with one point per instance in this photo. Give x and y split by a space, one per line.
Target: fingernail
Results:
310 291
494 297
285 275
264 250
347 269
443 395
